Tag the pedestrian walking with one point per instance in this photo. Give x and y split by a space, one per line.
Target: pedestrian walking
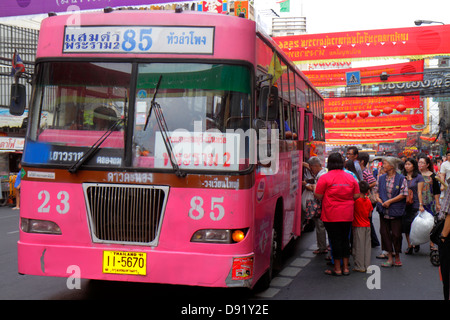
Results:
364 159
444 246
316 170
415 184
338 191
444 171
349 167
391 193
17 185
361 229
431 191
352 154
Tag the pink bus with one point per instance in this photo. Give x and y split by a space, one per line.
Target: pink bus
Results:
151 155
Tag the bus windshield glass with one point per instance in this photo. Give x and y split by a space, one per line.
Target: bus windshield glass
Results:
205 108
205 112
73 106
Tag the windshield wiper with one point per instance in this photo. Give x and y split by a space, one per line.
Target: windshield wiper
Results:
93 149
152 102
162 124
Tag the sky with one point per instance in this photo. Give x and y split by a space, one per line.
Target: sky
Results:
325 16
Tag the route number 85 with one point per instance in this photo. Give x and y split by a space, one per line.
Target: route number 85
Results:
129 43
63 207
197 212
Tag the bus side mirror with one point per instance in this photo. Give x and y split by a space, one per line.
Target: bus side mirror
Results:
18 99
268 97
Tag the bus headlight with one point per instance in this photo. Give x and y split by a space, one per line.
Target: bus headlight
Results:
219 235
39 226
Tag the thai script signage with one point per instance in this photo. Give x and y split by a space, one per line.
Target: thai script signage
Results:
7 143
199 150
435 80
401 42
139 39
357 104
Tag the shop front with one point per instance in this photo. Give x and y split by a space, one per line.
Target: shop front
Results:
11 149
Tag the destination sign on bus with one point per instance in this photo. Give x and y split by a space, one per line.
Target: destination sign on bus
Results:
139 39
200 150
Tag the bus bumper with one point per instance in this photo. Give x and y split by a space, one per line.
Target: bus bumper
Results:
196 269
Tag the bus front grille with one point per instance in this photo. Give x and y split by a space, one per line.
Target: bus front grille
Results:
127 214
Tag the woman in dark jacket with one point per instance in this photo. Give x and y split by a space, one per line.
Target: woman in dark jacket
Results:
391 194
415 184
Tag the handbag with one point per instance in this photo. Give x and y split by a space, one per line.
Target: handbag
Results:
410 197
313 208
436 231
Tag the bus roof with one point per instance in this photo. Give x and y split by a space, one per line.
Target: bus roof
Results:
286 59
232 37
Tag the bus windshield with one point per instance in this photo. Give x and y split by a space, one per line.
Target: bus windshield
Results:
203 107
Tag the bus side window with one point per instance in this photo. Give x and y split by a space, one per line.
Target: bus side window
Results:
269 100
294 122
288 122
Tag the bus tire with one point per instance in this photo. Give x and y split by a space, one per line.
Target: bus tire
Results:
275 250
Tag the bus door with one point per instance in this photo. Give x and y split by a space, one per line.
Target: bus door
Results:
304 136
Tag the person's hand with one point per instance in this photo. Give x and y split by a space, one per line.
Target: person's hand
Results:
386 204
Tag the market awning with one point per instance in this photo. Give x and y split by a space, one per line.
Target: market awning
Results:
8 120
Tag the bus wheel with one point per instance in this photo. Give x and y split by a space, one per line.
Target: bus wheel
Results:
275 258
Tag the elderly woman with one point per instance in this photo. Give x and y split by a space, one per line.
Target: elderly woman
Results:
338 191
391 195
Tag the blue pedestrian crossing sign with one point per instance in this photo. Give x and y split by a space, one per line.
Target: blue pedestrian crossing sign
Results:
353 78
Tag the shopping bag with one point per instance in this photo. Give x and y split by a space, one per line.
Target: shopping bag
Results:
306 195
421 228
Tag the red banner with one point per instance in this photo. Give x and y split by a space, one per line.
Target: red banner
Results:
415 42
396 129
399 72
357 137
381 103
392 120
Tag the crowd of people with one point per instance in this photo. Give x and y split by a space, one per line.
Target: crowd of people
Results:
346 194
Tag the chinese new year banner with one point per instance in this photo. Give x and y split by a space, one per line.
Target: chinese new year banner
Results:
415 42
373 112
376 122
364 136
385 104
399 72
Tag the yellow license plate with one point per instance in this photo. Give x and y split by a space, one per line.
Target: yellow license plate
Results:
124 262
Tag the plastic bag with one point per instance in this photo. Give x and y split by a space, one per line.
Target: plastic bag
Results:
421 228
306 195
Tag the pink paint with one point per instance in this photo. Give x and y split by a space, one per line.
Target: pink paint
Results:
233 36
173 258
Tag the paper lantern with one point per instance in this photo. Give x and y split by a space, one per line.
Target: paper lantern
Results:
328 116
351 115
340 116
376 112
387 110
401 108
363 114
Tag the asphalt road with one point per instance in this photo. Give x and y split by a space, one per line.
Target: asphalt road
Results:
302 278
